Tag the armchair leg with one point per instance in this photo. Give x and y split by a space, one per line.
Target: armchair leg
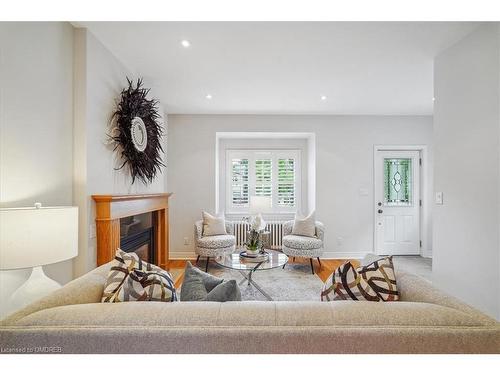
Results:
312 267
206 267
319 261
284 266
197 259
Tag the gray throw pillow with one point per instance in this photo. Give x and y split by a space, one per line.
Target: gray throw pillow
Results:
209 281
197 284
227 291
201 286
193 289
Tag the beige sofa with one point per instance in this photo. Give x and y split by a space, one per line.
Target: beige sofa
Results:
72 320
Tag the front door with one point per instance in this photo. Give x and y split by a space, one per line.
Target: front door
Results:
397 202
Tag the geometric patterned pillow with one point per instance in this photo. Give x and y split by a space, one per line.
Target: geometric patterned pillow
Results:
374 282
131 279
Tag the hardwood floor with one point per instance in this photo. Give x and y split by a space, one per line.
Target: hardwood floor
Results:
176 267
327 266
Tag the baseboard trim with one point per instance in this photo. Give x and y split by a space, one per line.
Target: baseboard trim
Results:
343 255
181 255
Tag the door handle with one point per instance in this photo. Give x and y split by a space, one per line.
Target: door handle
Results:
380 211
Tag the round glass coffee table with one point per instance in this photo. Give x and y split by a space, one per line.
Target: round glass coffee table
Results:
247 268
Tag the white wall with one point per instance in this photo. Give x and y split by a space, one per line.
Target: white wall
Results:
466 136
36 68
344 164
99 80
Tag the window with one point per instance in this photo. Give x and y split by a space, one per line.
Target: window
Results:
286 182
239 182
270 173
397 182
264 178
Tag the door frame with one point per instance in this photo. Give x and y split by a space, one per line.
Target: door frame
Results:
425 251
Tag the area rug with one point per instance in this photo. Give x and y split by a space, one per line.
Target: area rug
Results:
294 283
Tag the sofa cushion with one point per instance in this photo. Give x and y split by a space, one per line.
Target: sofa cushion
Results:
217 242
373 282
296 314
131 279
302 242
224 292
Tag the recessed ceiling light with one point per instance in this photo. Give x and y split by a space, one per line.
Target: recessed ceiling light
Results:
433 99
323 97
185 43
208 96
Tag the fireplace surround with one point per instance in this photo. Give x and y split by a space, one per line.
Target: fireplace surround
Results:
111 208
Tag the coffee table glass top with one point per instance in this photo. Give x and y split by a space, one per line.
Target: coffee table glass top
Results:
233 261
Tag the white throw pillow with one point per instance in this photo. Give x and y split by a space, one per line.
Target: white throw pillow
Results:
304 226
213 225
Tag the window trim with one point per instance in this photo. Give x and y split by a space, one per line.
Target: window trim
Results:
252 154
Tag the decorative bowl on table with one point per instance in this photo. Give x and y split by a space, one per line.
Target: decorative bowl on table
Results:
261 256
252 251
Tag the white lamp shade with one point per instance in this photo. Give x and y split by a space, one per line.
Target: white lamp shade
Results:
260 205
31 237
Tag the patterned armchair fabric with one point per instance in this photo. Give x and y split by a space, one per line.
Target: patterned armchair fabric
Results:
211 246
320 229
301 246
302 243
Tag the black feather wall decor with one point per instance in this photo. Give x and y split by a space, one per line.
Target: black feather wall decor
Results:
137 133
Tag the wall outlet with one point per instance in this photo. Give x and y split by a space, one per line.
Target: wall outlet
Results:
186 241
92 231
439 197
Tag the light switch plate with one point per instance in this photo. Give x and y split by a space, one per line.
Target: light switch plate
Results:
439 197
92 231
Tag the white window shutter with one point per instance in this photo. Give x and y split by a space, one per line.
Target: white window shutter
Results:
239 183
263 177
286 182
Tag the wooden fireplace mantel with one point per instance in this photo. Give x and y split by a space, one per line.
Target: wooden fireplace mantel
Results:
111 208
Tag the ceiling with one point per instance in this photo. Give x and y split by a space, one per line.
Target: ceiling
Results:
383 68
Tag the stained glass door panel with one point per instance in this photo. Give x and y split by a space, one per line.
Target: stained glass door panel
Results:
398 182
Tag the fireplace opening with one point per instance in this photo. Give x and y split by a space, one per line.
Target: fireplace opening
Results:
137 235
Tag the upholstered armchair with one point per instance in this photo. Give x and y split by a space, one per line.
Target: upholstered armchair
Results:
302 246
212 246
